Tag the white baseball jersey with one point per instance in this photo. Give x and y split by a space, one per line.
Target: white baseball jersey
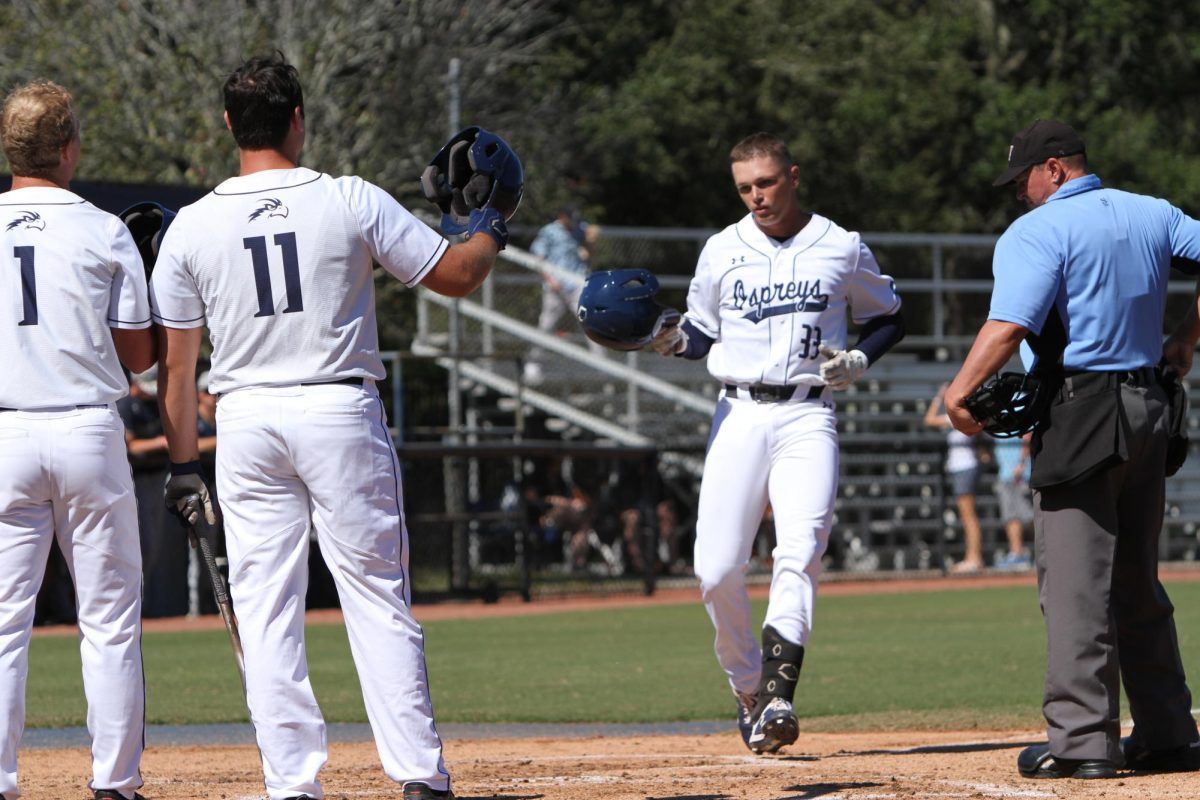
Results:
71 272
278 263
770 305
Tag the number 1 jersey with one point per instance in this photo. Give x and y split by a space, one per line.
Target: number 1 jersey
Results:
278 264
70 273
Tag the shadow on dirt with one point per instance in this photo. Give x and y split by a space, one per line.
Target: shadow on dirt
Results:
811 790
971 747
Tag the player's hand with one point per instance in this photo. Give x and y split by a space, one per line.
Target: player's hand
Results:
668 338
186 494
841 367
490 221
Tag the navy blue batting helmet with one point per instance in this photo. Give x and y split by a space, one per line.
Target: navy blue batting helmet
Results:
147 222
617 308
476 168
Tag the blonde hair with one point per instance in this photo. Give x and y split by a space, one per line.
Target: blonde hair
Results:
36 123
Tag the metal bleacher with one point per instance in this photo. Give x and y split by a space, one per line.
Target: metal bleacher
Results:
893 512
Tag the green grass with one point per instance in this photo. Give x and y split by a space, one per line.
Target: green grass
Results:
954 659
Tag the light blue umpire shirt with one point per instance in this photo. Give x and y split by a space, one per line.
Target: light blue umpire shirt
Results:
1102 257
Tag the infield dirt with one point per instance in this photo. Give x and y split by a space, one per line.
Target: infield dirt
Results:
826 766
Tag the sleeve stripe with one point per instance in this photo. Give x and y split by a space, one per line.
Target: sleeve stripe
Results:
430 264
161 318
145 321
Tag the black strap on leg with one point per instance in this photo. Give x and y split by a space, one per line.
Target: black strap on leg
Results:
781 662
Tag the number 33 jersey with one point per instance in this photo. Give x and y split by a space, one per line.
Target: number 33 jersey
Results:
69 273
770 305
278 264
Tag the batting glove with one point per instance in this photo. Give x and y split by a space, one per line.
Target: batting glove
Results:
669 338
186 494
842 367
490 221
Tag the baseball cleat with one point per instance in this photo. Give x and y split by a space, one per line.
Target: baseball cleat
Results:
1036 761
112 794
423 791
745 717
775 727
1184 758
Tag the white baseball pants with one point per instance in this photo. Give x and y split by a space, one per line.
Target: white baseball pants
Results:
285 456
787 454
65 473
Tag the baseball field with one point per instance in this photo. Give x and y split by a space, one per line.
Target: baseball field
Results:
908 690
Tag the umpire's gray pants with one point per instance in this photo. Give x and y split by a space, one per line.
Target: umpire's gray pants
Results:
1107 616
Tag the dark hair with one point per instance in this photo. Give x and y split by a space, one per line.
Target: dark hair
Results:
259 98
761 144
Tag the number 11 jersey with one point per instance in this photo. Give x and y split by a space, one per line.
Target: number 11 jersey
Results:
278 263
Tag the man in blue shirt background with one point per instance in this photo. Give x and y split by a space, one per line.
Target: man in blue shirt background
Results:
565 242
1084 275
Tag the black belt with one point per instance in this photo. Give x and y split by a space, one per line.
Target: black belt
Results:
766 393
344 381
1075 381
85 405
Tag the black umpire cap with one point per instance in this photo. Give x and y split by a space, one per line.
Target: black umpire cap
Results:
1044 139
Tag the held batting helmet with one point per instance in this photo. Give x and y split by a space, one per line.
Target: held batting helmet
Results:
476 168
1012 404
617 308
148 222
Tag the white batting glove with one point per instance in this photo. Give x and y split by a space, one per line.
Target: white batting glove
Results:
842 367
186 494
668 337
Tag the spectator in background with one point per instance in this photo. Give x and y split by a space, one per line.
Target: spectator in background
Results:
572 514
962 467
566 242
1012 490
206 423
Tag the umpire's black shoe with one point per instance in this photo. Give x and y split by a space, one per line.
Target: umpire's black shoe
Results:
423 791
1036 762
1185 758
113 794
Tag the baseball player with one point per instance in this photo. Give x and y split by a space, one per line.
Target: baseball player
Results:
74 310
277 262
768 305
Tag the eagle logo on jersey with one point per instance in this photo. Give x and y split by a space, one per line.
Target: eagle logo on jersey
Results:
270 206
788 298
30 219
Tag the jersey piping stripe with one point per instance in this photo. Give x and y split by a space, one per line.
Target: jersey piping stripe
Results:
430 263
145 321
161 318
787 374
268 188
70 203
752 247
396 481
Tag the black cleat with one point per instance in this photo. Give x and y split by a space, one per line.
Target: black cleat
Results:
1037 762
423 791
1184 758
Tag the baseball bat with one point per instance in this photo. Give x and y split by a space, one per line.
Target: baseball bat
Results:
201 535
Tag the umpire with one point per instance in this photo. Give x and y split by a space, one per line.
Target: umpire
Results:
1083 276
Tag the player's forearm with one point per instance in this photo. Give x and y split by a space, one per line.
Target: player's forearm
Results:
463 267
994 346
879 335
177 401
